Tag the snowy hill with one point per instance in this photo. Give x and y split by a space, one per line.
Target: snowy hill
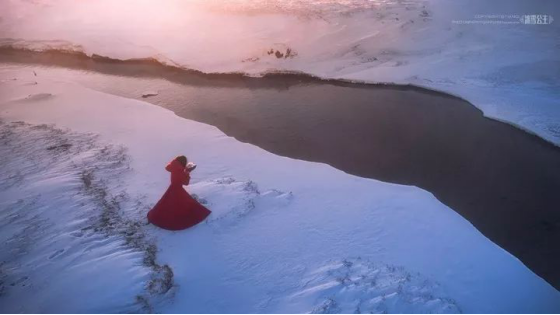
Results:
486 52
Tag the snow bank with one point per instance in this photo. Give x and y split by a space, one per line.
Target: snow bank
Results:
285 235
510 71
61 251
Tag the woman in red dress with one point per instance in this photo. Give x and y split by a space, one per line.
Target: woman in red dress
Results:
177 210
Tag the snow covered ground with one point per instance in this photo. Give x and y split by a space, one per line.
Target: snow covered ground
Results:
80 168
58 243
479 50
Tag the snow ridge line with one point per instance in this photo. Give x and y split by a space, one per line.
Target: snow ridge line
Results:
109 211
112 220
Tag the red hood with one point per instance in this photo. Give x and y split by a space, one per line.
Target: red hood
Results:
174 166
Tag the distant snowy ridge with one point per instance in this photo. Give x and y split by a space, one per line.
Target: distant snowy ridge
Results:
510 72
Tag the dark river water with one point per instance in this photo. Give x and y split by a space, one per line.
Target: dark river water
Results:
504 181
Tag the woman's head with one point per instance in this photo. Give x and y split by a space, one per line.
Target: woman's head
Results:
182 159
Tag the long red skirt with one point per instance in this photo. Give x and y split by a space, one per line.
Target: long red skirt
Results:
177 210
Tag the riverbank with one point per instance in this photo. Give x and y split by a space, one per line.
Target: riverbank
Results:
498 177
278 240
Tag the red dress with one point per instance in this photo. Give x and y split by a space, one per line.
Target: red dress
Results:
177 210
